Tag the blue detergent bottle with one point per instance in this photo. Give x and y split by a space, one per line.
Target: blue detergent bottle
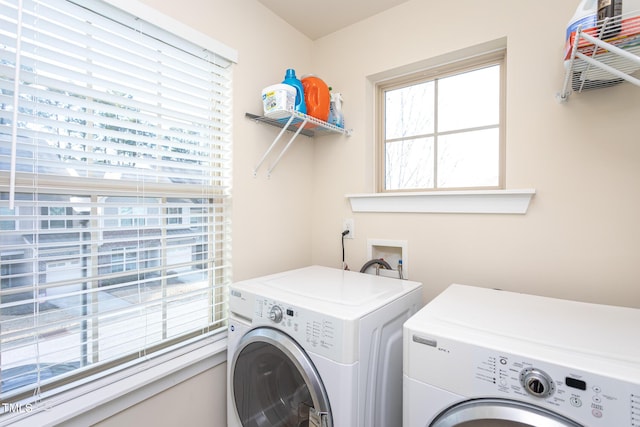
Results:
291 79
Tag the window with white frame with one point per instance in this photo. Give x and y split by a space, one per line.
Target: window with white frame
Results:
442 128
55 217
175 216
4 223
124 259
110 129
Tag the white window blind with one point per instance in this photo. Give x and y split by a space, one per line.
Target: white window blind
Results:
115 159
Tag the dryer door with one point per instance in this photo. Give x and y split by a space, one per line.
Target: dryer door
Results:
274 383
499 413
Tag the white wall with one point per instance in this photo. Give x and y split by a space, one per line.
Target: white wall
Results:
580 238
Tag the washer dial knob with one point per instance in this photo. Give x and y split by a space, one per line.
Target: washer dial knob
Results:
537 382
275 314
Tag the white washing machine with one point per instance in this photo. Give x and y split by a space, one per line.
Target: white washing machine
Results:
482 357
318 347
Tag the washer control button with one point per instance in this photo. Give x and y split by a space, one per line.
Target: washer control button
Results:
575 401
275 314
537 382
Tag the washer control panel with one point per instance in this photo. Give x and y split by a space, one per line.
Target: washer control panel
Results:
315 332
588 398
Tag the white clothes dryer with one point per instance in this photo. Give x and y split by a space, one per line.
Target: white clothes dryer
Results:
317 347
483 357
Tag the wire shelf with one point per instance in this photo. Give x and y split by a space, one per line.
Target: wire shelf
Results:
297 123
603 56
312 126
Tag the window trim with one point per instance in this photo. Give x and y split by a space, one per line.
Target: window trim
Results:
437 70
513 201
157 18
96 401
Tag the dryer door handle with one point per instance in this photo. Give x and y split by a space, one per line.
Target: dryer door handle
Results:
318 418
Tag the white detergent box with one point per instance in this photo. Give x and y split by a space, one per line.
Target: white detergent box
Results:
277 100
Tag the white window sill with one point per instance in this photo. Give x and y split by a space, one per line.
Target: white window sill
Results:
479 201
91 403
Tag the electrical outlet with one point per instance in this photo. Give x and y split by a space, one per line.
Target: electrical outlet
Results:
348 224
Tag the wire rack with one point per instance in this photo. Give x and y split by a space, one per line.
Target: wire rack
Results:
297 123
311 127
603 56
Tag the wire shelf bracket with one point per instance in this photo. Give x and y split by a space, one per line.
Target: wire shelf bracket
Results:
298 123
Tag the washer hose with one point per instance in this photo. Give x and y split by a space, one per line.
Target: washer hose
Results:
382 263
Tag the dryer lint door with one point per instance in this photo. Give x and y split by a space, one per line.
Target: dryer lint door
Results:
275 383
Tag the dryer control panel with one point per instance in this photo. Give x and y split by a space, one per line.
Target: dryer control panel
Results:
588 398
313 331
473 371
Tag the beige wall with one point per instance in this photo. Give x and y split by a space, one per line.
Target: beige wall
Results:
581 236
194 403
271 217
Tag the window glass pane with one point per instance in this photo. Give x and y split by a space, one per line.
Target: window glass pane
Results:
5 224
409 111
97 294
458 111
469 100
409 164
469 159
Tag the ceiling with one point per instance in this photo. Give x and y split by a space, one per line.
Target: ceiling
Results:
317 18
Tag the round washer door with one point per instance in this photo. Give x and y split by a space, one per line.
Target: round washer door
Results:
499 413
274 383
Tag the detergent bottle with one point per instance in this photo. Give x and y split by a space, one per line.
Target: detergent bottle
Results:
291 79
586 16
316 97
335 110
608 9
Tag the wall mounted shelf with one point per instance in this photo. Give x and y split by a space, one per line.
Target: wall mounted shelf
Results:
297 123
596 63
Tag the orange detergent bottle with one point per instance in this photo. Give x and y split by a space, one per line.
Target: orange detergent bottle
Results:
316 96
